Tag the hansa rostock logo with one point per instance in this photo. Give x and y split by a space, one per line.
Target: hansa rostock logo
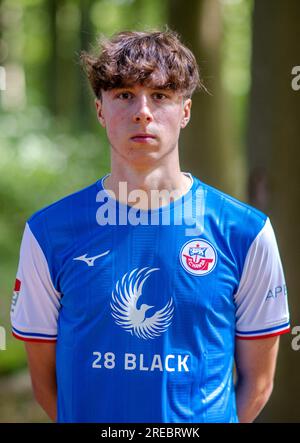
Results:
198 257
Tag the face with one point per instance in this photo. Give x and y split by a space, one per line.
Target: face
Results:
143 124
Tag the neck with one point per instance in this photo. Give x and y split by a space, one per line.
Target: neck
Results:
165 176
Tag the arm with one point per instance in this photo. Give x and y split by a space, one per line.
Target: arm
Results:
255 364
34 315
42 365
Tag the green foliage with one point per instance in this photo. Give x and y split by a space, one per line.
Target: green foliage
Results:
40 162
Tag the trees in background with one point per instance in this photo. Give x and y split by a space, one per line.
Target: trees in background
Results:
274 165
51 143
207 145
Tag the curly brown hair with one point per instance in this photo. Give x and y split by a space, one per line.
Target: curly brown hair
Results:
156 59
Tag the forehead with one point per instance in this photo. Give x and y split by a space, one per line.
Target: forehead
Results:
140 87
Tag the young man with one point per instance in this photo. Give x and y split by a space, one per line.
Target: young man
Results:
134 308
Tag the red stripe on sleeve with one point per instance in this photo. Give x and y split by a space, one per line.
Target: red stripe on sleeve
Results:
37 340
257 337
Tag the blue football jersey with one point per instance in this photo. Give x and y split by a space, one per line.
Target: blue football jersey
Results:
145 305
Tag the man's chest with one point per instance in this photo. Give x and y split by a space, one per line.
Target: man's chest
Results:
147 271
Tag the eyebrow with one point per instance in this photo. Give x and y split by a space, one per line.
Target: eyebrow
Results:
158 88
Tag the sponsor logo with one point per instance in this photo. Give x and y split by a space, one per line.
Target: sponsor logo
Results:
16 294
141 362
125 301
91 260
275 292
198 257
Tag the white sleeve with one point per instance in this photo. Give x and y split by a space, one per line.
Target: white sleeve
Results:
261 298
35 303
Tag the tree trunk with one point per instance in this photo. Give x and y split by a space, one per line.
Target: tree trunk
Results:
206 144
86 112
51 68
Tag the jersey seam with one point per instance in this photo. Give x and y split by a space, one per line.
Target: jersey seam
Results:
246 257
26 330
32 339
58 293
273 327
245 205
48 207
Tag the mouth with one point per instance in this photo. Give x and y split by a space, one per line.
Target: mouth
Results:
143 138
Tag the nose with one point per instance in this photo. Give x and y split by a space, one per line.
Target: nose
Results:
142 112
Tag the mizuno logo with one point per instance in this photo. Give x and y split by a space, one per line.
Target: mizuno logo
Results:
91 260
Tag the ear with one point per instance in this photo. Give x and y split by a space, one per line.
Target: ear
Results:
187 105
99 108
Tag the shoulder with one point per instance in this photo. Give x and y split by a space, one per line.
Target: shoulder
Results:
232 224
63 210
232 215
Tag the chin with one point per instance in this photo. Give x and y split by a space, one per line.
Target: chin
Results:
142 157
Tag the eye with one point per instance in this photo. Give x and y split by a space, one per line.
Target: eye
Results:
159 96
124 95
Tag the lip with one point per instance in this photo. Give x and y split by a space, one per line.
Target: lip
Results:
142 135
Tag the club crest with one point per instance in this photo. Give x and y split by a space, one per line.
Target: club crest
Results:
198 257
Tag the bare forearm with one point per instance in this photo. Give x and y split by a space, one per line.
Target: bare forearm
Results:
250 400
47 400
42 366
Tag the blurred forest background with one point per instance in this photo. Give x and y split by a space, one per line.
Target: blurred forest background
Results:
243 138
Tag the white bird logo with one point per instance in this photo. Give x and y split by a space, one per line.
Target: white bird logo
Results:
125 312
